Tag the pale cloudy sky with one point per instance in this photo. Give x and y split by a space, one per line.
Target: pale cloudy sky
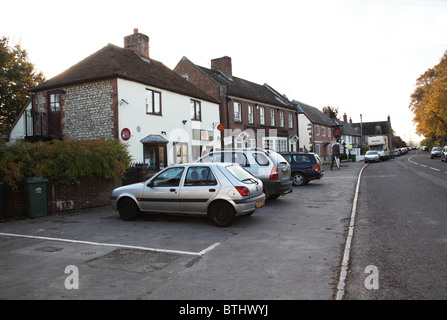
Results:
361 56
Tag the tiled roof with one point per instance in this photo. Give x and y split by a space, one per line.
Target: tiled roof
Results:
245 89
116 62
314 115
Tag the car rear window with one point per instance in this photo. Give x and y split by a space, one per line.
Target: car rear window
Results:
240 173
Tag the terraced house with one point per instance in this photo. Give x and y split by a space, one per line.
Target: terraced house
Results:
253 115
122 93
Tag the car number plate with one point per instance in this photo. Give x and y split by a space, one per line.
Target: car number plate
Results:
259 203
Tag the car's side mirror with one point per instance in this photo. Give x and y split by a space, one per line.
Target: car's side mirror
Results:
150 184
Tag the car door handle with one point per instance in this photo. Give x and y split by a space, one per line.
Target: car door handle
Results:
212 190
173 190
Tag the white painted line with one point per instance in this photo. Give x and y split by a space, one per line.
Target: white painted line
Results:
344 265
116 245
436 169
209 248
423 165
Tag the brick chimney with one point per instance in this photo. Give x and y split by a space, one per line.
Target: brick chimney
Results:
137 42
345 117
223 65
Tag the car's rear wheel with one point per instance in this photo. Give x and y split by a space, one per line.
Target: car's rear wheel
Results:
222 214
128 209
298 179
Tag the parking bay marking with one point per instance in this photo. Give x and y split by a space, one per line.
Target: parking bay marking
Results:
116 245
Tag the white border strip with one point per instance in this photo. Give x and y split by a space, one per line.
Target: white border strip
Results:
116 245
344 265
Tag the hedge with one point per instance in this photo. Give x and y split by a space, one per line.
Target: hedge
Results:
62 160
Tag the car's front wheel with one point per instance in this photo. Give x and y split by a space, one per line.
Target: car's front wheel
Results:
222 214
298 179
128 209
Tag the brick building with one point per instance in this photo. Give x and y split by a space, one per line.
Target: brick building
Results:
253 115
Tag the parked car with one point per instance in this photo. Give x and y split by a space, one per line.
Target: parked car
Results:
444 154
305 167
220 190
435 152
397 152
372 156
266 165
425 148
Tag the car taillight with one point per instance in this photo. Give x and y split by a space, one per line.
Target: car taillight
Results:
316 168
243 191
274 173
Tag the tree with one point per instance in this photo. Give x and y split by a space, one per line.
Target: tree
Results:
429 101
331 112
17 77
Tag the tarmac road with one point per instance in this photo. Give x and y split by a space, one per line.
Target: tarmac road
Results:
400 229
289 249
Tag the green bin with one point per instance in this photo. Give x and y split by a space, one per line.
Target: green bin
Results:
36 197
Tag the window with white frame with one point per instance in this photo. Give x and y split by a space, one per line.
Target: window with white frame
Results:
250 114
323 131
261 115
276 143
290 120
317 130
237 112
281 119
272 117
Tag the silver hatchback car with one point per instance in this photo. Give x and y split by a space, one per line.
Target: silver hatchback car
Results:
220 190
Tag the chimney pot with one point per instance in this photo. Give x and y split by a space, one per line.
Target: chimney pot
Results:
345 117
135 30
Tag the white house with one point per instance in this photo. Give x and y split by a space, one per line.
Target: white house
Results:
122 93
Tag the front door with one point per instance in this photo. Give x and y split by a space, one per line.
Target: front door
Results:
54 115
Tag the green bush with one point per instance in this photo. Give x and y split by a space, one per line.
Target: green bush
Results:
63 161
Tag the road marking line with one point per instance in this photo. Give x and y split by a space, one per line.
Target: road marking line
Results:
434 169
116 245
423 165
344 265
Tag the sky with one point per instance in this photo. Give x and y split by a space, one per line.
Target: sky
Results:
360 56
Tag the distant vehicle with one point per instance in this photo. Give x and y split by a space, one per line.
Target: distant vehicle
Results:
266 165
444 154
435 152
380 144
221 191
425 148
305 167
372 156
397 152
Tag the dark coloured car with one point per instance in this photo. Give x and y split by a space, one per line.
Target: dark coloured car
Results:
305 167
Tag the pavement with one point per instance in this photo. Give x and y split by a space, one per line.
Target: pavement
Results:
291 249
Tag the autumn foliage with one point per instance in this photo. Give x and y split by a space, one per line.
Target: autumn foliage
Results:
429 101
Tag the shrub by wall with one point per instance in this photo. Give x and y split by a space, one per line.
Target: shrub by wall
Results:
81 174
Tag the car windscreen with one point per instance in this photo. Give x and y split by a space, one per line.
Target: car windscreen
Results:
241 174
372 152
